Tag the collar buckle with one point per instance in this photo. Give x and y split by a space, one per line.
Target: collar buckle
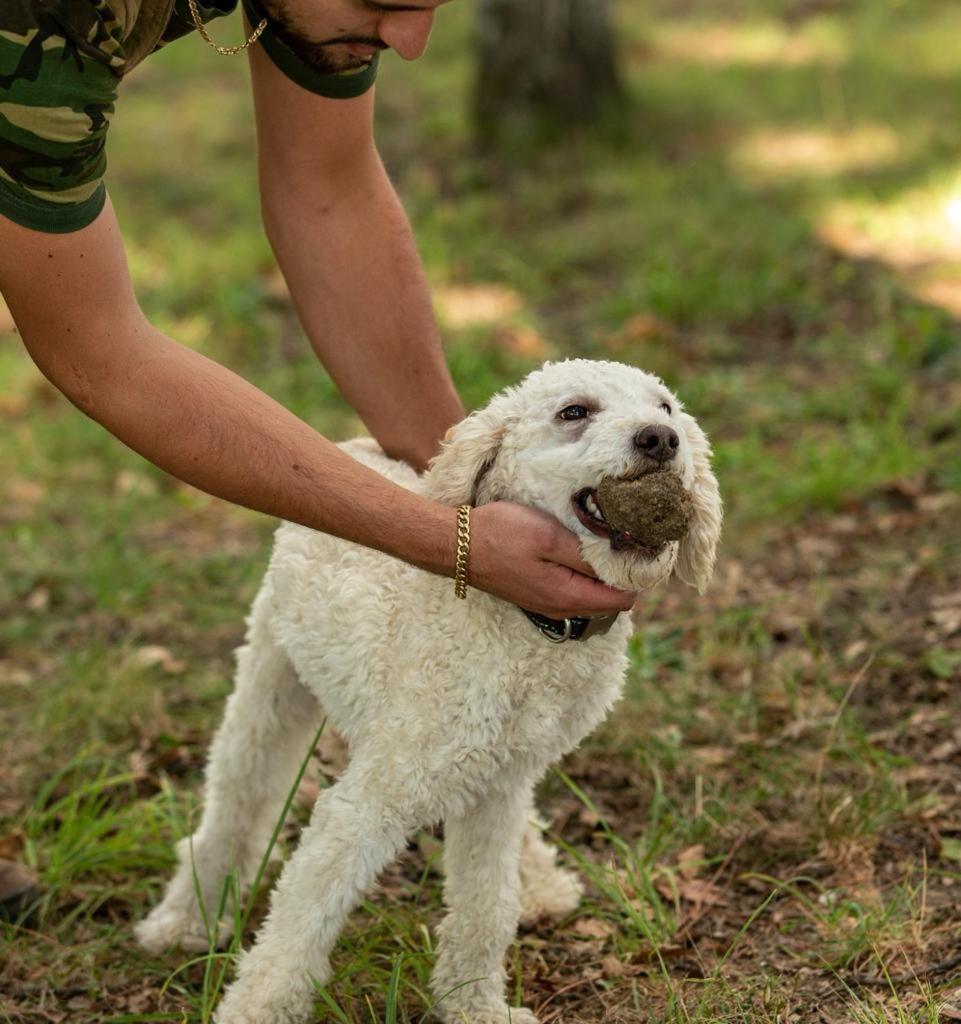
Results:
567 629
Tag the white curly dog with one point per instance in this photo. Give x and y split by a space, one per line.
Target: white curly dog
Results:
452 710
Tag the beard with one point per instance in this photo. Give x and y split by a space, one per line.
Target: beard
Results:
321 55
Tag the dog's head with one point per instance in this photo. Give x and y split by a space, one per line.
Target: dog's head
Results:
550 441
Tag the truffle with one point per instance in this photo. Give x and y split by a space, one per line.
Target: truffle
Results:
653 509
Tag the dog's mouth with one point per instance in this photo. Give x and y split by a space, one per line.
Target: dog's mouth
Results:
588 510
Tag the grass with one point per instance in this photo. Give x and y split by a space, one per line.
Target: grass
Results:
771 814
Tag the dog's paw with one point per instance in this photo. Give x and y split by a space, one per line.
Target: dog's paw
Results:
268 990
552 894
237 1010
519 1015
163 929
508 1015
488 1014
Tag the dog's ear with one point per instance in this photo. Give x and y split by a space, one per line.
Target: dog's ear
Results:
468 451
698 548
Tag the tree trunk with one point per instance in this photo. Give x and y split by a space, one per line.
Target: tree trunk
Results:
543 63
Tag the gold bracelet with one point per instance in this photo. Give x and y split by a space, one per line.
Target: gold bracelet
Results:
463 551
227 51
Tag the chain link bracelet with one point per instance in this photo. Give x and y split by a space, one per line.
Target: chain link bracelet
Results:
463 551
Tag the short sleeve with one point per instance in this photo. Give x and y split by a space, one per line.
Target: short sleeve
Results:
60 65
341 85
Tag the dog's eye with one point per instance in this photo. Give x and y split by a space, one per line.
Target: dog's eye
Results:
666 406
574 412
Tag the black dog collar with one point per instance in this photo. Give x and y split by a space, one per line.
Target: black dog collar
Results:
576 628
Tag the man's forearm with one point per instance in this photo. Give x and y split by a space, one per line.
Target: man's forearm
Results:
356 279
209 427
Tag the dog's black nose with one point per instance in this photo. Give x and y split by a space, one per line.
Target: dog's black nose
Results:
657 442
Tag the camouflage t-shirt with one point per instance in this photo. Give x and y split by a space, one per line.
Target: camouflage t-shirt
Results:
61 62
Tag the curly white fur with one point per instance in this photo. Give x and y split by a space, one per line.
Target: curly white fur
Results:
452 709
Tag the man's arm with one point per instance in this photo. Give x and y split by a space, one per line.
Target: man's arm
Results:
346 250
73 302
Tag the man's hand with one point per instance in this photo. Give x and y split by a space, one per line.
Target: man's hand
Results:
528 558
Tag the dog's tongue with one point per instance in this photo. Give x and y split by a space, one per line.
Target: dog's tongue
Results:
650 510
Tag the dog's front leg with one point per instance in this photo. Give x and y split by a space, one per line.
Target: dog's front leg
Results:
352 836
482 892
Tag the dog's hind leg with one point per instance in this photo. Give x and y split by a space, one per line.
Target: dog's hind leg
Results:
482 891
253 761
547 890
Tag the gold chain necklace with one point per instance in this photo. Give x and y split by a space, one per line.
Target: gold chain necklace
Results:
227 51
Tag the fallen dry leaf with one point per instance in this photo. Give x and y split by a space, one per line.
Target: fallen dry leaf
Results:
154 655
134 484
13 675
613 967
138 764
713 757
10 806
141 1002
947 620
24 492
690 861
700 892
593 928
472 304
38 600
588 817
521 341
11 845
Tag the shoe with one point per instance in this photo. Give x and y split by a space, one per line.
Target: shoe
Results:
18 891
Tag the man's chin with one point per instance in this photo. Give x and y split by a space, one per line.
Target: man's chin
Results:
325 58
